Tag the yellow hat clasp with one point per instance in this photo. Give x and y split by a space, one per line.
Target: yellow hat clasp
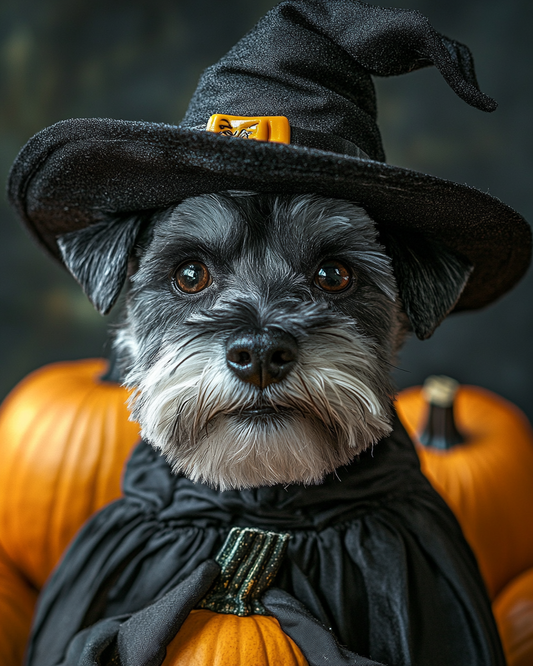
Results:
260 128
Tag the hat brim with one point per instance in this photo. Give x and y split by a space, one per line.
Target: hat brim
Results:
80 171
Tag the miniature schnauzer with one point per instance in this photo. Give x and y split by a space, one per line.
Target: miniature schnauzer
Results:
260 329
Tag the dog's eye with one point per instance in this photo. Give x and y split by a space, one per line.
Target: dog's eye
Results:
191 277
333 276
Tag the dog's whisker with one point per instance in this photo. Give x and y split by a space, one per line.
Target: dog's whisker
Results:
319 412
183 361
203 399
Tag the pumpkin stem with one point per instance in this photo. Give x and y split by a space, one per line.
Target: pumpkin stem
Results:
440 430
249 559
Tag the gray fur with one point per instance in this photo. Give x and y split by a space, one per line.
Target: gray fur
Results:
263 252
97 257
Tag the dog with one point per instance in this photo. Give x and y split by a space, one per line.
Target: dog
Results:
260 330
272 277
258 337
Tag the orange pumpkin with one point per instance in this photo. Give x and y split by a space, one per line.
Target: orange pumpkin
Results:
219 640
17 601
513 610
231 626
64 438
487 482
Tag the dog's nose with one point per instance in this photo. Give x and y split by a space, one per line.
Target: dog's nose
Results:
261 357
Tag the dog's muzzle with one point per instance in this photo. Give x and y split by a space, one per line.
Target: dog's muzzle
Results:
261 357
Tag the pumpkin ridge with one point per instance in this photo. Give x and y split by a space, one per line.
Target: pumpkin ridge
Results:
82 414
100 418
107 422
51 520
23 455
262 645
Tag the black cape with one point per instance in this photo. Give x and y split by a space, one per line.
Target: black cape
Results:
375 555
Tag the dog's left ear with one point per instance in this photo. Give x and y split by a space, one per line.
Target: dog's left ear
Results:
97 257
430 278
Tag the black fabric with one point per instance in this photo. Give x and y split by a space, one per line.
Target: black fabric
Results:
323 141
90 168
375 554
95 646
318 644
312 61
140 639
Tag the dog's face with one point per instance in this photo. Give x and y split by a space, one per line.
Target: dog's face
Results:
260 332
259 335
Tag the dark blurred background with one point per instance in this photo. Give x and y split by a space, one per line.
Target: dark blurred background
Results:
140 59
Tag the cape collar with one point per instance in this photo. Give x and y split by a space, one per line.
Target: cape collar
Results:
389 469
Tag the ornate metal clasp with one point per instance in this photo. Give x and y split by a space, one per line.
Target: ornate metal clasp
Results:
249 561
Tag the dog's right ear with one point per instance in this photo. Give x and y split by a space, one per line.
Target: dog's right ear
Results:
97 257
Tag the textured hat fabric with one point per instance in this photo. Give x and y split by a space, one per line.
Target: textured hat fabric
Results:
311 61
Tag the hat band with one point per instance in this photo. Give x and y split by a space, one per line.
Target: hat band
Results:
330 142
278 130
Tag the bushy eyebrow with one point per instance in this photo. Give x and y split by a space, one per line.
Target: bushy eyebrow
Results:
205 225
334 229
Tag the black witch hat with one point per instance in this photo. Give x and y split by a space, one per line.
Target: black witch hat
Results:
310 62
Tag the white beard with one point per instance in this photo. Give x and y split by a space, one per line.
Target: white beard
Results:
329 408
